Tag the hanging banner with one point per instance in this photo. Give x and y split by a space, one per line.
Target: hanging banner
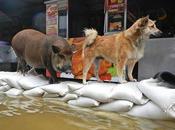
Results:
52 19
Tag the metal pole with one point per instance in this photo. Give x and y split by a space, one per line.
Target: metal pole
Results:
67 19
125 15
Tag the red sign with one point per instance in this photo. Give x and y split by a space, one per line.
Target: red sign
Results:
116 4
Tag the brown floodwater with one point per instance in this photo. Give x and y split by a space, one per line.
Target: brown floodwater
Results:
24 113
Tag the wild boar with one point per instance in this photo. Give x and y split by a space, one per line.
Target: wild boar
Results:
38 50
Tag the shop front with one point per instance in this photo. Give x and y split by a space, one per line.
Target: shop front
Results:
68 18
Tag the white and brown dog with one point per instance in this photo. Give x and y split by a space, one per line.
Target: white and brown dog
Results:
122 49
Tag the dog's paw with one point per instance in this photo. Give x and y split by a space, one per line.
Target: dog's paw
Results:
100 81
122 81
133 80
85 83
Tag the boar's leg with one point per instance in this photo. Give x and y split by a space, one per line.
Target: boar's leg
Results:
32 71
22 66
48 65
53 78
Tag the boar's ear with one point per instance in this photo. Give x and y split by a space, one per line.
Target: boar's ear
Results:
73 48
55 49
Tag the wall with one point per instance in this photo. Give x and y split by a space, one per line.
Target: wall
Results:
159 56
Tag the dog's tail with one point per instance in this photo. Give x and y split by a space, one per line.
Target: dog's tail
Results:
90 36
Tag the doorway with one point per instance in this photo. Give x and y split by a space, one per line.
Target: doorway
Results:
85 14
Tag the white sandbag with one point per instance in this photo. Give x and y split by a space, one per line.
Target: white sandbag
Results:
60 89
4 88
98 91
128 91
6 73
35 92
116 106
12 79
161 96
84 102
149 111
69 96
50 95
31 81
14 92
74 86
2 83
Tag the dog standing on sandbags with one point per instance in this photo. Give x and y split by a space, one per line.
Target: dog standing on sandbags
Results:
40 51
122 49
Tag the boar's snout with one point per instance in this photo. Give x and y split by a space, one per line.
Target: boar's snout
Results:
65 68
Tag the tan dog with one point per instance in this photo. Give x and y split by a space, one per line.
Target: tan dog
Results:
122 49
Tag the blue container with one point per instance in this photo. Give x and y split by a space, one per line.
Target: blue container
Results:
6 52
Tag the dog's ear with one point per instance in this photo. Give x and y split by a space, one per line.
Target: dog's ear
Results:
154 21
147 16
143 21
55 49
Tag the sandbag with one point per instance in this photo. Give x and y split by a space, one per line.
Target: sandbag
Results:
14 92
31 81
150 111
74 86
60 89
12 79
84 102
128 91
116 106
4 88
98 91
35 92
69 96
50 95
160 95
2 83
6 73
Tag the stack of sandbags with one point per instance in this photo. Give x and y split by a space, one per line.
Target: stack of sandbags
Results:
162 101
14 84
8 83
104 96
108 96
148 98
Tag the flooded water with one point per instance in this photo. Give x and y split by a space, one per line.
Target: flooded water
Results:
24 113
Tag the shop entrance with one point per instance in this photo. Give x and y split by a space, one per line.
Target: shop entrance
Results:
85 14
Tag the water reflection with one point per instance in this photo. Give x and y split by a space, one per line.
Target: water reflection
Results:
51 111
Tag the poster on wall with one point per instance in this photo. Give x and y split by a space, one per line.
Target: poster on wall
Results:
115 16
52 19
63 18
115 21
